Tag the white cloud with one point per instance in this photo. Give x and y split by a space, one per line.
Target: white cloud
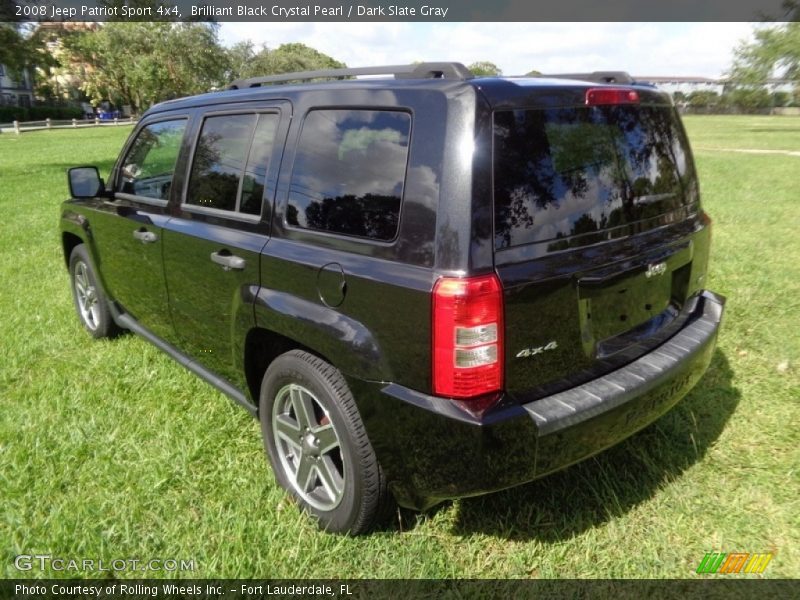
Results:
703 49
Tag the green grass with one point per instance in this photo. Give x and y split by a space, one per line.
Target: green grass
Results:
110 450
737 131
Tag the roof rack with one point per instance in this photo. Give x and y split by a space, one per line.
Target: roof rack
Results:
430 70
596 76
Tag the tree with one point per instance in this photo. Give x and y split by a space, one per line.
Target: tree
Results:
781 98
776 50
245 62
703 99
12 47
139 64
748 99
20 48
484 68
239 58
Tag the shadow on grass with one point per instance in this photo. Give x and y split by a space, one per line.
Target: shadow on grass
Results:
774 129
590 493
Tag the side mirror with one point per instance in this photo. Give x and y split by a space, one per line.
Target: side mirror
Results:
85 182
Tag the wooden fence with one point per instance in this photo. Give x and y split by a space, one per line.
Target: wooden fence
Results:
21 127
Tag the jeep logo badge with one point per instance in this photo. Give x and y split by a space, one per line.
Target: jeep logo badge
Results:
655 269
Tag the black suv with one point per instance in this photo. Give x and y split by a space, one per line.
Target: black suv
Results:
425 285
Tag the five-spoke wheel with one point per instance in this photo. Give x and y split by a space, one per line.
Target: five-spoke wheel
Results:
90 301
86 296
318 446
308 447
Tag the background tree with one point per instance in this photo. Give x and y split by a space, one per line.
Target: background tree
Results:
780 98
239 58
485 68
776 50
703 99
20 48
747 99
244 61
139 64
12 47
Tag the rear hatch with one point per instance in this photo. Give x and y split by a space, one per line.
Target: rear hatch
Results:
599 240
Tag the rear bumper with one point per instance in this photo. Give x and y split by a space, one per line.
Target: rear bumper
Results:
431 450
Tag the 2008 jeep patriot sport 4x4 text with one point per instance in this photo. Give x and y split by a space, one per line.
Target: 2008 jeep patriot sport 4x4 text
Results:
425 285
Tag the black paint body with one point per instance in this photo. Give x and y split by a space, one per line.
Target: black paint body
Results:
365 305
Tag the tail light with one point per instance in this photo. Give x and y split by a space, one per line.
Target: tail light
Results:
467 336
604 96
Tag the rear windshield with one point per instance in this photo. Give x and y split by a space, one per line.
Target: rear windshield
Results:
569 171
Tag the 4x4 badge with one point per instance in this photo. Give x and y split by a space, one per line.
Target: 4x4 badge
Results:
537 350
655 269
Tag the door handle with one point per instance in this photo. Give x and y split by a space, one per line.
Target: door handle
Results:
144 236
228 260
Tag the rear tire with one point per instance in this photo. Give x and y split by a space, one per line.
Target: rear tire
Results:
317 445
91 303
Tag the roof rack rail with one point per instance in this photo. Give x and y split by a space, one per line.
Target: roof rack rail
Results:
430 70
596 76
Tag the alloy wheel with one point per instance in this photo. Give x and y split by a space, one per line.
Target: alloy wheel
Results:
308 447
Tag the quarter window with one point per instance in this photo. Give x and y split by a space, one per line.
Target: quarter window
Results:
231 161
150 163
349 172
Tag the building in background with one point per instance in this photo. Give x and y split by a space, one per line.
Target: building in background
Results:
688 85
684 85
15 91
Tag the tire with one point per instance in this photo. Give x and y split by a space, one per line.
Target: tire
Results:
317 445
91 303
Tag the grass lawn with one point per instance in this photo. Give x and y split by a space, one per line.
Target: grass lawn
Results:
110 450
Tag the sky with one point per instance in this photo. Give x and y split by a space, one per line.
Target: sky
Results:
699 49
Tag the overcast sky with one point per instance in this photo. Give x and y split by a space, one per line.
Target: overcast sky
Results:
702 49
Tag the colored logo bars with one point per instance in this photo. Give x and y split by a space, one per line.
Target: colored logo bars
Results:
734 562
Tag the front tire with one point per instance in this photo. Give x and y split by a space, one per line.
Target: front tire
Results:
90 301
317 445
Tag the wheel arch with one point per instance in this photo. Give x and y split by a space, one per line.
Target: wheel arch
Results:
69 241
299 323
261 347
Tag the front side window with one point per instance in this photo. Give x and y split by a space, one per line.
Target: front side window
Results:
230 163
150 163
349 172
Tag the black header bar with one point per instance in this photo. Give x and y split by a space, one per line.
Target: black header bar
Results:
357 589
402 10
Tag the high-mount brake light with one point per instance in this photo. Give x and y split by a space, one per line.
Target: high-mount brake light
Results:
467 336
606 96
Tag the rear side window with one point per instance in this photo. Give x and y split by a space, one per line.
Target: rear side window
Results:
565 172
349 172
150 163
230 162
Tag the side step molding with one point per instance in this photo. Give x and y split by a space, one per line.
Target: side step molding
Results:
128 322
